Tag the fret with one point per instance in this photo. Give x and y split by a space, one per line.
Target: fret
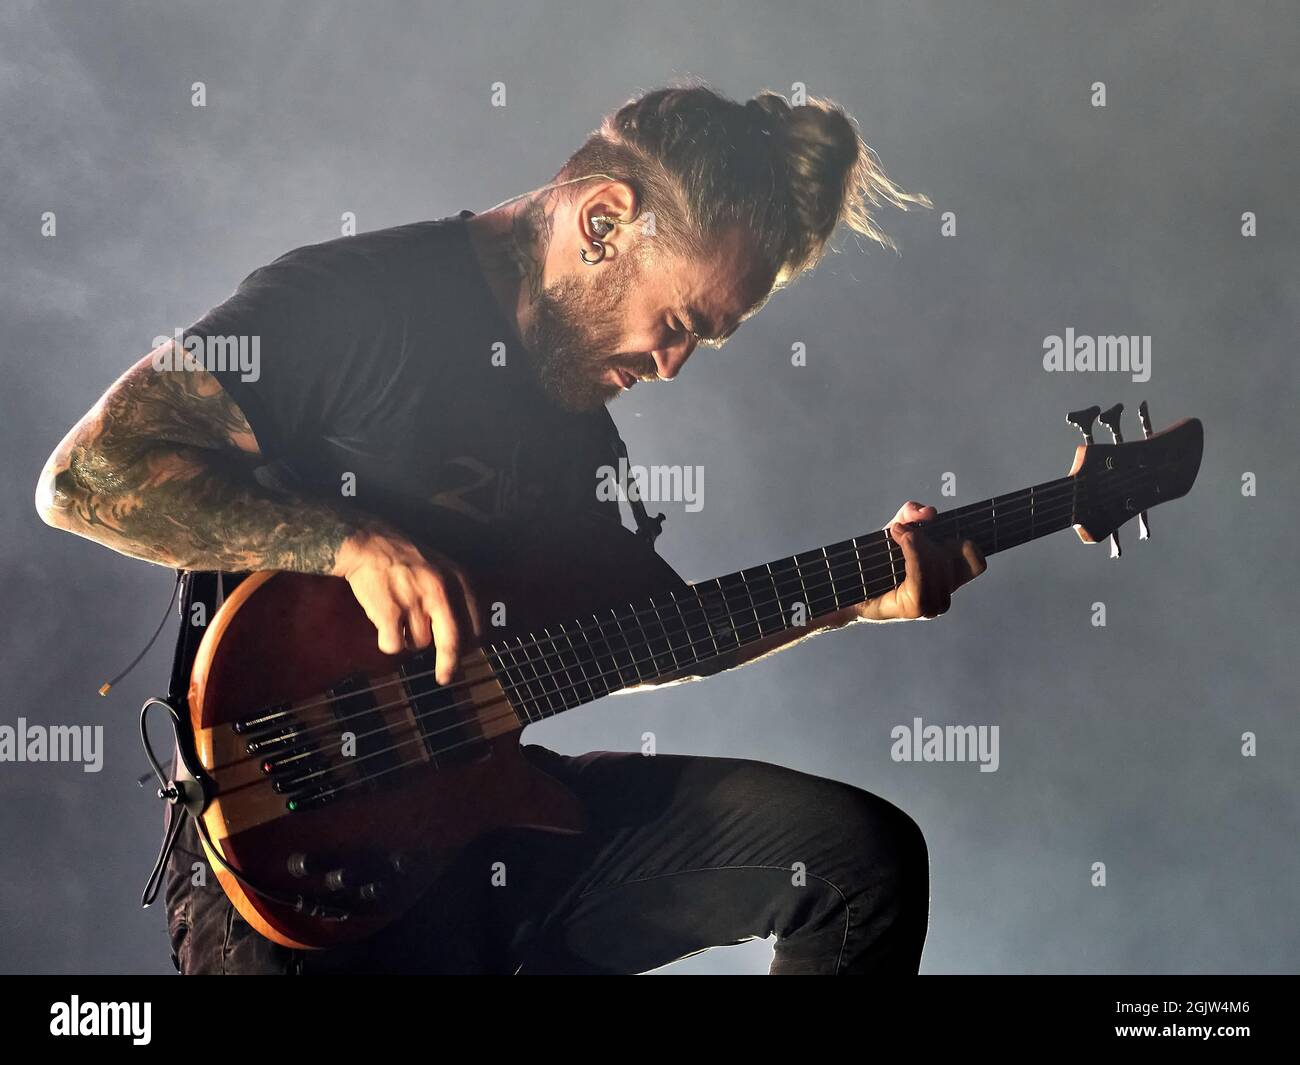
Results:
830 575
893 569
695 655
687 644
516 701
552 673
549 676
767 575
752 605
558 674
808 608
632 662
592 642
731 621
502 670
862 574
668 640
778 606
598 646
517 683
582 670
779 577
823 601
729 588
542 711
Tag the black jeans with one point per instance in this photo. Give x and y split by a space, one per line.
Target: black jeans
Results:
683 853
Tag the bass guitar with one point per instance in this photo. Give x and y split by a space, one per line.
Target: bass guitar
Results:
331 781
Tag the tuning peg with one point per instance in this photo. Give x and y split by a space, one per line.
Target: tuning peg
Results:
1082 420
1144 416
1110 418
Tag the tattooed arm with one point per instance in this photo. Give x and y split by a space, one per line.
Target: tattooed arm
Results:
160 469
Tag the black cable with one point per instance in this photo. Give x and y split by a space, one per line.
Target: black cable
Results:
189 797
104 688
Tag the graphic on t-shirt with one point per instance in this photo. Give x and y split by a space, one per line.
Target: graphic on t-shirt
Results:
487 493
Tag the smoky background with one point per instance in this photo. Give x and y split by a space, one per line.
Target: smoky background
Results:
1119 744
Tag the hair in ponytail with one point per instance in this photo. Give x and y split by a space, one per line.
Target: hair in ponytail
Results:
703 163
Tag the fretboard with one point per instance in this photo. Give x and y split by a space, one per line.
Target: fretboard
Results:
568 664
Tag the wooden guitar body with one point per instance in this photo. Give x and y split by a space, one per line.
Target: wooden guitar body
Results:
289 669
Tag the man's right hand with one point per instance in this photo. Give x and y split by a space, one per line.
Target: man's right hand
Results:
160 469
413 598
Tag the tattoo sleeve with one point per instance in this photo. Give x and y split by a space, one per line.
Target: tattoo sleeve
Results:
161 469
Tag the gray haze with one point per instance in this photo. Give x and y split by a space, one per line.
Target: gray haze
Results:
1119 745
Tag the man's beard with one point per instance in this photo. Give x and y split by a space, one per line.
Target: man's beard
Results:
572 335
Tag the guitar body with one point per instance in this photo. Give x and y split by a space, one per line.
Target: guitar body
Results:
290 665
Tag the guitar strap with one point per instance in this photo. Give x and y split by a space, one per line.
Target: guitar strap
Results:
197 587
648 526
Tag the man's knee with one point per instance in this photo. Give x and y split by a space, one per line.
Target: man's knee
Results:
853 831
872 858
881 848
889 839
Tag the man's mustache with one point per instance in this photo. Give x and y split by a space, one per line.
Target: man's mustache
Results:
643 369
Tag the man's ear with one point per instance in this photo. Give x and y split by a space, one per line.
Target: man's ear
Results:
615 201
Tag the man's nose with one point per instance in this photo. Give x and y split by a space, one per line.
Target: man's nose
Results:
669 361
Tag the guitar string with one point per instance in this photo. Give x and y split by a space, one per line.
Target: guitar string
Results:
368 777
562 692
826 577
1049 511
679 626
1006 524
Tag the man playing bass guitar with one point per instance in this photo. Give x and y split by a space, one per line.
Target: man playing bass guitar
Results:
463 365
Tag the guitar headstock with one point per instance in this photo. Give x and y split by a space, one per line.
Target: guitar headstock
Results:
1120 481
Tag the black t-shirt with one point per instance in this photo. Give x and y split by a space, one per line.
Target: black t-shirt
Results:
376 360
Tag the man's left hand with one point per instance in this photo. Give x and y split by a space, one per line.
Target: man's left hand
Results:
934 569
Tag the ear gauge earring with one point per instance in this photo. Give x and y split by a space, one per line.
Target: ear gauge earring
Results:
600 225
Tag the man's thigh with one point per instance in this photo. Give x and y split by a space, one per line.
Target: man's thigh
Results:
486 903
689 852
681 853
208 938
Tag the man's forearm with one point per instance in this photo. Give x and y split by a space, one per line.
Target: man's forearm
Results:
189 508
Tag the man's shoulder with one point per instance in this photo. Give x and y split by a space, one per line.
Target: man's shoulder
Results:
390 252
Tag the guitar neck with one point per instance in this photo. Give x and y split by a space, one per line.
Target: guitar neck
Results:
567 665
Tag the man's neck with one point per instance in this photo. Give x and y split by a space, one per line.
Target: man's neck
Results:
511 243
